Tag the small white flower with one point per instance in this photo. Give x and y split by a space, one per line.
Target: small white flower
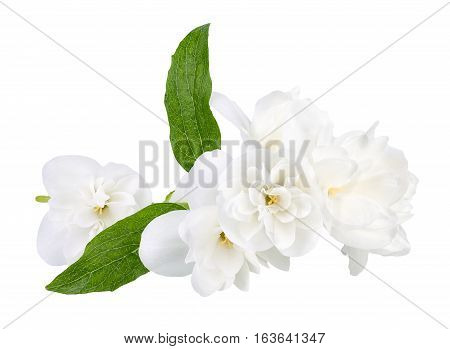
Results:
85 198
180 243
183 242
264 206
365 189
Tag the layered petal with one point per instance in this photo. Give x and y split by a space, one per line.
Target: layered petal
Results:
357 259
51 241
275 258
75 242
206 281
231 111
307 233
242 279
161 250
65 172
199 186
399 245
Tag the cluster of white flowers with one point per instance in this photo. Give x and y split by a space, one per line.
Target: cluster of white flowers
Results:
260 208
263 208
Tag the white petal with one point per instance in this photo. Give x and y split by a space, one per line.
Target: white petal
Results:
228 260
50 241
67 200
274 257
200 227
243 206
304 205
306 235
199 186
161 250
242 280
255 196
361 223
398 247
282 172
270 101
413 181
367 239
116 172
328 152
283 234
357 259
207 281
271 111
75 243
114 213
231 111
335 173
121 199
252 261
143 197
356 210
128 184
386 188
86 217
285 216
237 231
65 172
392 160
259 242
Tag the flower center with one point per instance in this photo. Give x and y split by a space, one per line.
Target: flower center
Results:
225 241
99 209
100 198
271 199
332 192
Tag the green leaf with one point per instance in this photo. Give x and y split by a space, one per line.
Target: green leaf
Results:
193 128
111 259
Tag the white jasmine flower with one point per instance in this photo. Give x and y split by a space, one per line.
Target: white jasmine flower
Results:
181 243
85 198
263 206
366 190
278 117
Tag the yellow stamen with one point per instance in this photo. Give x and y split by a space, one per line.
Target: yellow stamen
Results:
271 199
225 241
99 210
332 192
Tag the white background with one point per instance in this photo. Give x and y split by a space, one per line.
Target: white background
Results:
50 104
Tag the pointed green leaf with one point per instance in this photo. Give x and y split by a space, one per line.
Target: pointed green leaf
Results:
193 128
111 259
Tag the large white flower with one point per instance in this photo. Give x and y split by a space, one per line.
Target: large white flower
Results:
85 198
261 206
365 189
279 117
264 206
193 242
